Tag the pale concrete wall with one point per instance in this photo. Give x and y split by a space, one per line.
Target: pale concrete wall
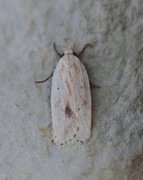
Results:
27 31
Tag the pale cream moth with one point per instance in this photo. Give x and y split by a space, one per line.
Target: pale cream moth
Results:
70 99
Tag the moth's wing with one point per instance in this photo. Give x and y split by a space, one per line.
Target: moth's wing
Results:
70 101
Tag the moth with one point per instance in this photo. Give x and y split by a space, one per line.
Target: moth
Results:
70 99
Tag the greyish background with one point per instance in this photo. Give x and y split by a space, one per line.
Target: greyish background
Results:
27 31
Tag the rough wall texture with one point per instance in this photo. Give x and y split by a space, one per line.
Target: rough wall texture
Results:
27 31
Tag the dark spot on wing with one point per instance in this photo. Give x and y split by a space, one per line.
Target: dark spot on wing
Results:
74 135
85 102
77 129
68 111
68 86
70 74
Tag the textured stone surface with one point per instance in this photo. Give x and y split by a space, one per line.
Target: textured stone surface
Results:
27 31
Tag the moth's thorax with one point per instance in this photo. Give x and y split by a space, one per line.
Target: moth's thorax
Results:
68 52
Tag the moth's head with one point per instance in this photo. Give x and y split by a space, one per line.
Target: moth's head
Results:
64 50
68 51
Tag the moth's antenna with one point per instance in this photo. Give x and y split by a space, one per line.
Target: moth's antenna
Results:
55 48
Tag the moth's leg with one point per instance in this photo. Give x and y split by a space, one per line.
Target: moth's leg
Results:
55 48
83 49
45 79
93 85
